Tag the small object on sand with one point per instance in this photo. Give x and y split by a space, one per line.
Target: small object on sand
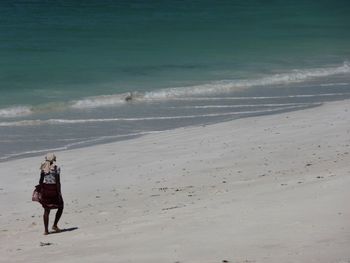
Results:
308 164
42 244
225 261
319 177
169 208
224 182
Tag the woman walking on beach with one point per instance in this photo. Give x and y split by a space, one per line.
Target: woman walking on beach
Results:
50 185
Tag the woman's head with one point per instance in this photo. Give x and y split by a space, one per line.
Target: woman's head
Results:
50 157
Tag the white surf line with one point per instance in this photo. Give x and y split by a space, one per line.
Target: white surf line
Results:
111 137
243 105
68 146
334 84
81 121
8 156
263 97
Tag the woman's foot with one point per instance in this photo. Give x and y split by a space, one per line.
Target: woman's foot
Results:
56 229
46 233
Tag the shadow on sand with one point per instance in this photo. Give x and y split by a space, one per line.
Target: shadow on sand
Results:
64 230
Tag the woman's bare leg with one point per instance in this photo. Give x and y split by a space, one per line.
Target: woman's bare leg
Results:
46 220
57 218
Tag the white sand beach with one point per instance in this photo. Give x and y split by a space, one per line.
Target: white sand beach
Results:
262 189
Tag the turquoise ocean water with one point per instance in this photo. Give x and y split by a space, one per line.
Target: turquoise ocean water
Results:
66 67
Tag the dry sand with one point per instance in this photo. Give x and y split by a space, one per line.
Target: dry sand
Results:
263 189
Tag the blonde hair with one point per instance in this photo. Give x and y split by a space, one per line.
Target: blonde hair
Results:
49 164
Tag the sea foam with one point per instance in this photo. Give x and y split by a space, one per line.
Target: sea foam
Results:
99 101
234 85
217 87
188 92
16 111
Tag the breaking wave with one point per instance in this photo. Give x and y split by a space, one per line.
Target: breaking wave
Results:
99 101
217 87
233 85
188 92
15 111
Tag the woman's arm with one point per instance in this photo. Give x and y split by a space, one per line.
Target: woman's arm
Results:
41 180
58 180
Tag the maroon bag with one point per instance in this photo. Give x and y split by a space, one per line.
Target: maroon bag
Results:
36 196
